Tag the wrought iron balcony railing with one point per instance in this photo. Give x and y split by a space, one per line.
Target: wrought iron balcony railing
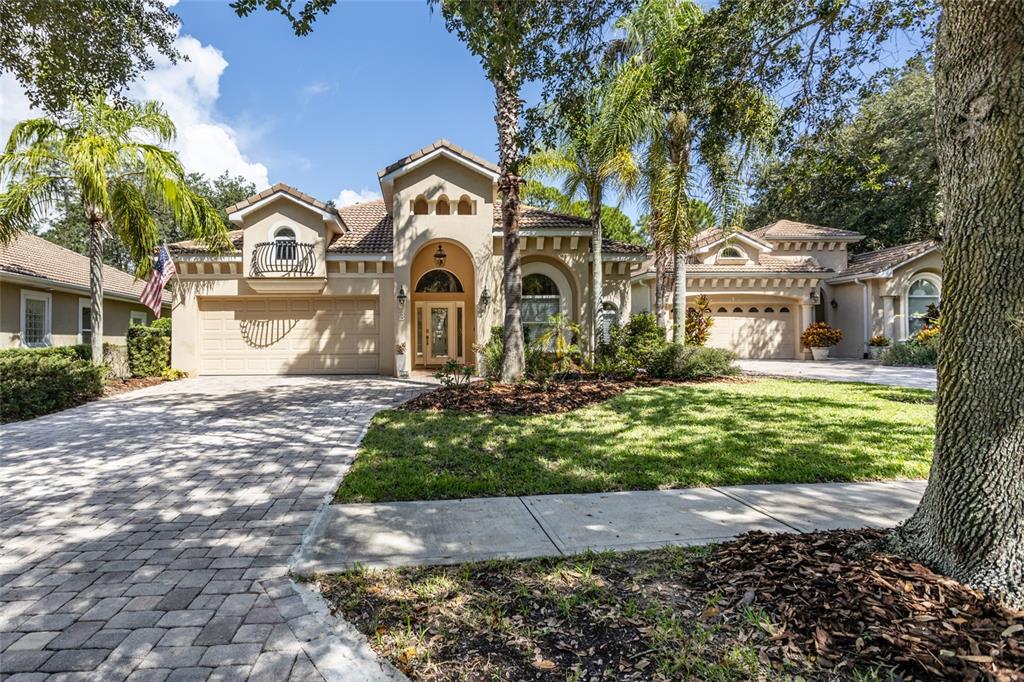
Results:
283 258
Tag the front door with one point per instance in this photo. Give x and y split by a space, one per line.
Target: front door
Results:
439 332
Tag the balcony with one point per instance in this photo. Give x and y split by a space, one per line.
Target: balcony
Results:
287 266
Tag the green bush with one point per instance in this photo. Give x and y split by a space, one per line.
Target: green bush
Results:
79 351
149 348
34 382
492 353
631 347
912 354
692 362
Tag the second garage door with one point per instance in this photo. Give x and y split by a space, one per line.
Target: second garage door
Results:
289 336
754 330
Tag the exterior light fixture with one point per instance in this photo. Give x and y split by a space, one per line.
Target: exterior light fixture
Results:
485 298
440 256
814 297
834 304
402 296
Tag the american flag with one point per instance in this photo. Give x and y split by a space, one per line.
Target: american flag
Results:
163 270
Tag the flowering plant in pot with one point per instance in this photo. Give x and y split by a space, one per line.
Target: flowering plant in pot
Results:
820 337
876 344
400 360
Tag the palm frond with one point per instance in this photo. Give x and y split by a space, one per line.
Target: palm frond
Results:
21 204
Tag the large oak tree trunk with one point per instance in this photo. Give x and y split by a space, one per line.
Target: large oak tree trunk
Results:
508 107
597 283
970 523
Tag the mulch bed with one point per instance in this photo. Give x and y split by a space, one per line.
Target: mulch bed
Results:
761 607
529 398
874 610
115 386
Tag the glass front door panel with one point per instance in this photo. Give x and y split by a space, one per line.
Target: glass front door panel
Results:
439 332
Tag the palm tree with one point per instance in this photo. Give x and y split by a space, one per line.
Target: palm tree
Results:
114 159
557 337
586 163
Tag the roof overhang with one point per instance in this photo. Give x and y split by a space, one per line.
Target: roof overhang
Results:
54 285
548 232
353 256
238 216
887 272
387 179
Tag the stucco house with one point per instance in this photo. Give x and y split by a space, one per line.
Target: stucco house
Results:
308 288
44 297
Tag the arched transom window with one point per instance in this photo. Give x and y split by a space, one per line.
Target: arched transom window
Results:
285 247
923 293
541 300
730 252
438 282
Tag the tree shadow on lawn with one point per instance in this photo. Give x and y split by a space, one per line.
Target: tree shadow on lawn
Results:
665 437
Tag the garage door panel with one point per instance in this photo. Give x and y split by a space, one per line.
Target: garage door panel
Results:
750 332
289 336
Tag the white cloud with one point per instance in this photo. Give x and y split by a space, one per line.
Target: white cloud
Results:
317 88
189 91
347 197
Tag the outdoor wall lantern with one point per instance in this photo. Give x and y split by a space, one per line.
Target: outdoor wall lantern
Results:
440 256
834 304
485 298
402 296
814 297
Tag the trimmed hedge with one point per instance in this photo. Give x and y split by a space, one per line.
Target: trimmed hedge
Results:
35 382
149 348
912 354
693 362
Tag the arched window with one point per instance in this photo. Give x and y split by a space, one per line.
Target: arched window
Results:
783 309
722 310
419 207
465 206
541 300
285 246
769 309
737 309
753 310
923 299
730 252
443 207
609 317
438 282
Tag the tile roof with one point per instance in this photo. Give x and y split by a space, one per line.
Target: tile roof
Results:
369 229
286 189
713 234
790 229
442 143
34 256
766 264
533 218
195 246
874 262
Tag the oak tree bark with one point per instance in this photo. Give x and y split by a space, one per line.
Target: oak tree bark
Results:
970 523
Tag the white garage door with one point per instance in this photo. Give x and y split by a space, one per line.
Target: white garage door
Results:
289 336
754 330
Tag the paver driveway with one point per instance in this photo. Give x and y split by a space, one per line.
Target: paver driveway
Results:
147 537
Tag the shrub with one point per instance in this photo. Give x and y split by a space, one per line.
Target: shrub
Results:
559 338
912 354
692 362
149 348
453 374
36 382
927 334
492 353
699 322
879 341
539 367
79 351
172 374
821 335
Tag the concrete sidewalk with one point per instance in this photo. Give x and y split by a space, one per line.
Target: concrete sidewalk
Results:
866 371
455 531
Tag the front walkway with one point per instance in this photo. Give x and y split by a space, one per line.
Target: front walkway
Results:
148 536
454 531
866 371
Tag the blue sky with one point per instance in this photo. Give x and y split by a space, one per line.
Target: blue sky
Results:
373 82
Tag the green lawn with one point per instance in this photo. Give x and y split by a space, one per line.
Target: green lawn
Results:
767 431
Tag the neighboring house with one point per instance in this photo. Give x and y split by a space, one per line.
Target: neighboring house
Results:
308 288
44 297
767 285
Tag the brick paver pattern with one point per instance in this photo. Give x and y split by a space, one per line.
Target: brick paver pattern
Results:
147 536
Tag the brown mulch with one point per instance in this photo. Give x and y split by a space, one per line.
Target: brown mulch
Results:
115 386
869 611
529 398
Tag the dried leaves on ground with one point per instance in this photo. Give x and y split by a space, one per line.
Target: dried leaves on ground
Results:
115 386
529 397
761 607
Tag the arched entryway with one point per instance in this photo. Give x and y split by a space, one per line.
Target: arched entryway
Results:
443 323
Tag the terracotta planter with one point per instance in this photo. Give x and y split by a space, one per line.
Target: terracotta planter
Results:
820 353
401 370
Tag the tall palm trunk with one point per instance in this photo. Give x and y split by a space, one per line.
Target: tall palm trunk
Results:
508 107
970 523
97 231
679 295
597 282
660 272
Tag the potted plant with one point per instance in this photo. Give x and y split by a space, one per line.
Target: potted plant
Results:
820 337
402 370
876 344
